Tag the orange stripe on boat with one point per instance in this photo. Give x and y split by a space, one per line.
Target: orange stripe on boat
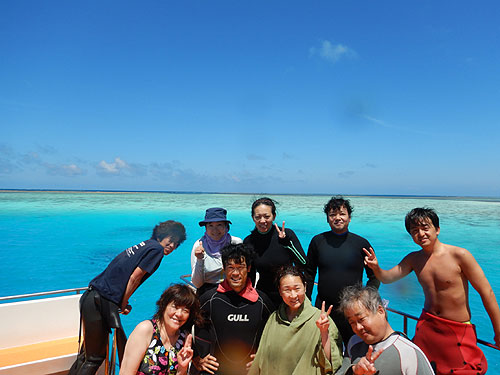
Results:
35 352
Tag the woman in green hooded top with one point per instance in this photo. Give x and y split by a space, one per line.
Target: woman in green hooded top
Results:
298 339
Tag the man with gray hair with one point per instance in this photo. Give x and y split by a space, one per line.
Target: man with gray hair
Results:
376 346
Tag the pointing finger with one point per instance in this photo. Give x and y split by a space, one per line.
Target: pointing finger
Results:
369 353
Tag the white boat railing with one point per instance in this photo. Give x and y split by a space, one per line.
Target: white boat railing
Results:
110 362
43 294
405 316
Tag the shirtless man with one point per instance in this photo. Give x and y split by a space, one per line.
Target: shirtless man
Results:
444 272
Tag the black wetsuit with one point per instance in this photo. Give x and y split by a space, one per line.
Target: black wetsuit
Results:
340 262
99 306
272 253
233 329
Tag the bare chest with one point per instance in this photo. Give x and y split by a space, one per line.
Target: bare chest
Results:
439 273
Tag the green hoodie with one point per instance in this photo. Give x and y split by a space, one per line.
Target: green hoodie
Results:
294 348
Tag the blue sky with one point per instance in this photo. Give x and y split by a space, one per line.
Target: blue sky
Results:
352 97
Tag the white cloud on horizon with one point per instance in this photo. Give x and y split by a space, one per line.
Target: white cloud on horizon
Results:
113 167
332 52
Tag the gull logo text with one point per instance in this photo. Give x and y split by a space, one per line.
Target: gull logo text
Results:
238 318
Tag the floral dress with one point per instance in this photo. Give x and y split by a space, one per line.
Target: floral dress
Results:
158 360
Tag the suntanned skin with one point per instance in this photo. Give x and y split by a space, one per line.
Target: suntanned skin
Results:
444 272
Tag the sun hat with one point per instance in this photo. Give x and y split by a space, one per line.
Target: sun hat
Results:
214 214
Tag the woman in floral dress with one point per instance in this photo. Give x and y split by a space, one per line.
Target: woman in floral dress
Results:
162 345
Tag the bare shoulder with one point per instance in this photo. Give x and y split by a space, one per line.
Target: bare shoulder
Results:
144 328
458 252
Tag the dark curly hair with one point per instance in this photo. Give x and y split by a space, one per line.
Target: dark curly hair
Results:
336 203
237 253
180 295
172 229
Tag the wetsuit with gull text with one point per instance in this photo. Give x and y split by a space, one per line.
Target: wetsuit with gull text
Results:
233 329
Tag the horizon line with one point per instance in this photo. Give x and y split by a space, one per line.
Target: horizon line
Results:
111 191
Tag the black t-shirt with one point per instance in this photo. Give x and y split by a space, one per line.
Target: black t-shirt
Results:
233 330
112 282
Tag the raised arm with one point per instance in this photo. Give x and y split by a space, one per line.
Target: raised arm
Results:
370 275
185 356
136 347
323 323
388 276
133 283
198 264
473 272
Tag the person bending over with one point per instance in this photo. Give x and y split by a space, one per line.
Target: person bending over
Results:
109 292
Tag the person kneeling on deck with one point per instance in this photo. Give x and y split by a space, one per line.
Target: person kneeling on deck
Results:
235 314
110 291
444 331
376 348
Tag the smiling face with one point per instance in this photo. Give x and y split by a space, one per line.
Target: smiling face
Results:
175 317
216 230
236 274
293 291
371 327
263 217
339 220
424 234
168 245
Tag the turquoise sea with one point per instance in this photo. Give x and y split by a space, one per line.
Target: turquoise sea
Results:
59 240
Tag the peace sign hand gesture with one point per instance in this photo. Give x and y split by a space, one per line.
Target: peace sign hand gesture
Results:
185 355
323 323
370 258
365 366
281 232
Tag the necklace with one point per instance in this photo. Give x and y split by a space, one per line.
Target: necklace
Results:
170 339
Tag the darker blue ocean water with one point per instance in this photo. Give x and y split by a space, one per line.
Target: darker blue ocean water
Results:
59 240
